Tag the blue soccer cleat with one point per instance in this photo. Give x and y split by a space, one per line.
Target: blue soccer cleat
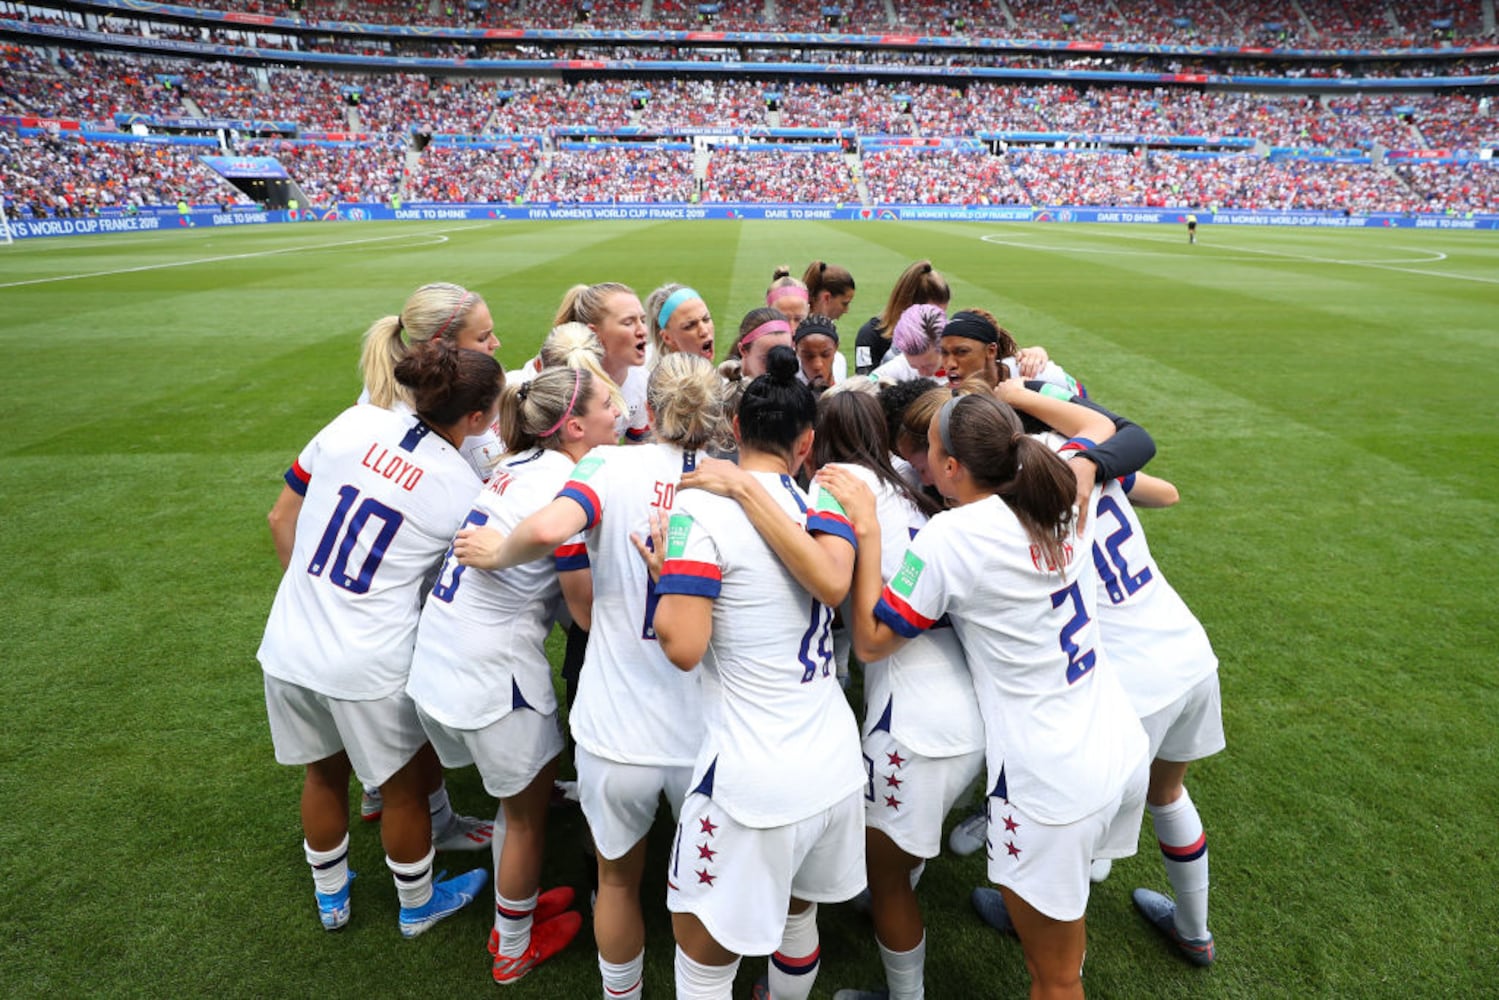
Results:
448 897
1161 911
333 907
991 909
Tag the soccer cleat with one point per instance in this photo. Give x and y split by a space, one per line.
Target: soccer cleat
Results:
970 835
1160 910
371 805
861 995
448 897
547 939
761 989
991 909
333 907
1099 870
549 904
464 833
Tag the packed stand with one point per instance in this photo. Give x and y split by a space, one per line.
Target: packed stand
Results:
535 106
714 103
866 106
63 176
859 17
940 177
467 174
337 173
616 172
743 175
1458 121
1453 187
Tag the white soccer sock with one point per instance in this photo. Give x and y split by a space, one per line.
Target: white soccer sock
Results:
704 982
330 869
413 880
905 971
624 981
793 966
1184 846
512 918
917 872
440 808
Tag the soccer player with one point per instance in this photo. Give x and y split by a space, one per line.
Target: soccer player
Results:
1008 565
788 295
918 284
614 313
917 339
367 510
1191 228
816 340
637 720
480 675
679 320
773 823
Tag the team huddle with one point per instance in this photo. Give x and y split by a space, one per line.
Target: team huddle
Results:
957 514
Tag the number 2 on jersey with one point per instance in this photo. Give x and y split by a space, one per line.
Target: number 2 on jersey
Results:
338 574
1078 661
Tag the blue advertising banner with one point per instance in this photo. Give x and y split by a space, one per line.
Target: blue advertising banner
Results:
247 166
440 212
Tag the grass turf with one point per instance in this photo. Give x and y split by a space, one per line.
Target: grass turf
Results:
1320 397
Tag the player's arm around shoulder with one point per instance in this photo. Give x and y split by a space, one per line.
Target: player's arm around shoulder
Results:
689 579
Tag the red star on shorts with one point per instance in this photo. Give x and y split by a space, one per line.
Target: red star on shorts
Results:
704 878
704 851
708 826
892 802
896 760
1010 825
891 781
1014 851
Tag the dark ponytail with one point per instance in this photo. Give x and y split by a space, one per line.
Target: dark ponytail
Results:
448 383
775 408
851 429
986 438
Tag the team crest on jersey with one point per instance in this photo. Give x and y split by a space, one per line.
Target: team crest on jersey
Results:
905 578
586 468
676 535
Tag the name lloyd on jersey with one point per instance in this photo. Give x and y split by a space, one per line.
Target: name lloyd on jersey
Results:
1037 555
392 467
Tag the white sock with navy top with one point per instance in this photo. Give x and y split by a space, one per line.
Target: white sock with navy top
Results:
413 880
793 966
623 981
1184 846
330 869
512 918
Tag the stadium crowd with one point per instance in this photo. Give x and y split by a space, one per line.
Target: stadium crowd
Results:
460 173
616 173
772 176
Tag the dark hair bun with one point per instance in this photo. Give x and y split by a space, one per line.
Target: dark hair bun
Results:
781 272
781 365
816 324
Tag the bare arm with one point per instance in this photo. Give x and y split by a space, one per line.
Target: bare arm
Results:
684 624
577 591
873 639
823 564
1152 491
1064 417
283 520
532 539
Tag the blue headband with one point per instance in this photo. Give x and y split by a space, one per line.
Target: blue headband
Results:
674 300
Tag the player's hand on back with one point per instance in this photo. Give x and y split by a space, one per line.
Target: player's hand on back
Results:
853 494
478 547
716 475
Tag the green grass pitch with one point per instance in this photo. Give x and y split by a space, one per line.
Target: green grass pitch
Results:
1324 400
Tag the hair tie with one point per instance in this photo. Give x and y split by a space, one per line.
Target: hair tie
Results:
577 381
674 300
768 327
786 292
399 325
944 424
462 301
524 391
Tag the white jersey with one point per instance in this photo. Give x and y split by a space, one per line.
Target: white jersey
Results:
481 451
896 368
1154 641
481 648
923 694
1062 739
383 495
781 744
634 422
633 705
525 373
1050 373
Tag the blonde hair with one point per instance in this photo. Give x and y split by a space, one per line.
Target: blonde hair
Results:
585 303
653 304
688 403
532 413
573 345
436 311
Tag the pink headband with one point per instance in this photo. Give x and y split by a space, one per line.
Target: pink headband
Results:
577 381
462 301
785 292
771 326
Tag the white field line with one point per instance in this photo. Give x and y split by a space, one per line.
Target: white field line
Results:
239 256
